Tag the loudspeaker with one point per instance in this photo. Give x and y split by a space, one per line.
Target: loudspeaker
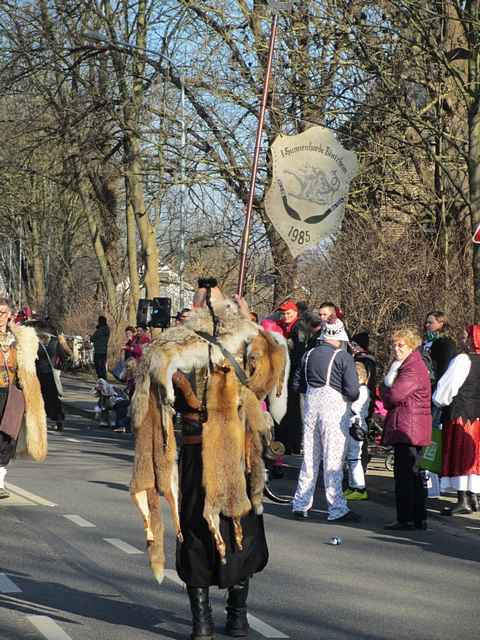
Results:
143 312
161 312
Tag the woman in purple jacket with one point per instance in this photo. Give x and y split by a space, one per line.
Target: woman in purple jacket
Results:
408 426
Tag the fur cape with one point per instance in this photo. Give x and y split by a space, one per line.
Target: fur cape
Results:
233 434
32 439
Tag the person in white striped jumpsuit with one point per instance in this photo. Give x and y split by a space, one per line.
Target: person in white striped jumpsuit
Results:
332 385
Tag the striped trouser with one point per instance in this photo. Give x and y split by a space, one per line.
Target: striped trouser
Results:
326 424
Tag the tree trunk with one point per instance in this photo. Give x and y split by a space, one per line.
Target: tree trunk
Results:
474 182
284 265
38 268
474 143
145 228
107 277
133 154
132 264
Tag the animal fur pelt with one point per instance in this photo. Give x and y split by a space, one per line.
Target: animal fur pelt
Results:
32 440
232 434
261 350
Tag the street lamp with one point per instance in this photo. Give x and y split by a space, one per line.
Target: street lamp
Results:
126 46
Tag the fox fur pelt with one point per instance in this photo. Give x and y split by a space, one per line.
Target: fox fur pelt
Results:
232 435
32 439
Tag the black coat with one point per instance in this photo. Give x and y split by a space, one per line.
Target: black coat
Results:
198 563
441 352
42 363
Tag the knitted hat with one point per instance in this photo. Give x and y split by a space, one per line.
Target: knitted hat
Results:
335 331
362 339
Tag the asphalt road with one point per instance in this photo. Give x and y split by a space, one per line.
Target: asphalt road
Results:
73 567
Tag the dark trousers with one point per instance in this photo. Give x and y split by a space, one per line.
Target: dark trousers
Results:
290 430
410 492
100 362
121 413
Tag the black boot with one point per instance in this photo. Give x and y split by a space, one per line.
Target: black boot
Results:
202 623
237 623
472 500
462 505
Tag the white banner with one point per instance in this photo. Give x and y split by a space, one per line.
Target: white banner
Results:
311 179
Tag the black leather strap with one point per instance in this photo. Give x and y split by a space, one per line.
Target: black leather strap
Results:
240 373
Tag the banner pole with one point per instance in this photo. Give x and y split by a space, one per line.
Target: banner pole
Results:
256 155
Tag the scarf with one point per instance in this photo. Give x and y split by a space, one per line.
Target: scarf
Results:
392 373
287 328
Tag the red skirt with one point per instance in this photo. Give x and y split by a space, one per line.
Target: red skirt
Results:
461 448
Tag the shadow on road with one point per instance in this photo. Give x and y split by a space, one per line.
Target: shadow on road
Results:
127 457
111 485
112 609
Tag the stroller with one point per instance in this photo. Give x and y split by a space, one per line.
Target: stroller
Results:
374 439
111 398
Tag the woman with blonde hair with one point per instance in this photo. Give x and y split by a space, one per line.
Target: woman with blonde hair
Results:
23 427
408 426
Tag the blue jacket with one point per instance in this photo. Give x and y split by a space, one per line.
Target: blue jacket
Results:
314 368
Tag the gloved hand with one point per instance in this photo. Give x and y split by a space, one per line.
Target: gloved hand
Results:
357 432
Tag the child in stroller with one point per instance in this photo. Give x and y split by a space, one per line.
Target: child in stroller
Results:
111 398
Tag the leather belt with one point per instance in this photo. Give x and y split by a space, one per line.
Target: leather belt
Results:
190 417
192 439
240 373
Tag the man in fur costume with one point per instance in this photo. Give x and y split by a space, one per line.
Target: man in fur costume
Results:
18 352
213 371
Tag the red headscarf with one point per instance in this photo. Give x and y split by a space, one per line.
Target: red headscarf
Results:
474 335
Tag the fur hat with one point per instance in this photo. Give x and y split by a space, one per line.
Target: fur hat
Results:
335 331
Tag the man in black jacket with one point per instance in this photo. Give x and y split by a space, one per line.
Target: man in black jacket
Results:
332 385
100 347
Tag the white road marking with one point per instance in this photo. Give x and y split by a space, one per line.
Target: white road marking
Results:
30 496
72 440
79 521
7 585
123 546
263 628
48 628
400 538
258 625
168 627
